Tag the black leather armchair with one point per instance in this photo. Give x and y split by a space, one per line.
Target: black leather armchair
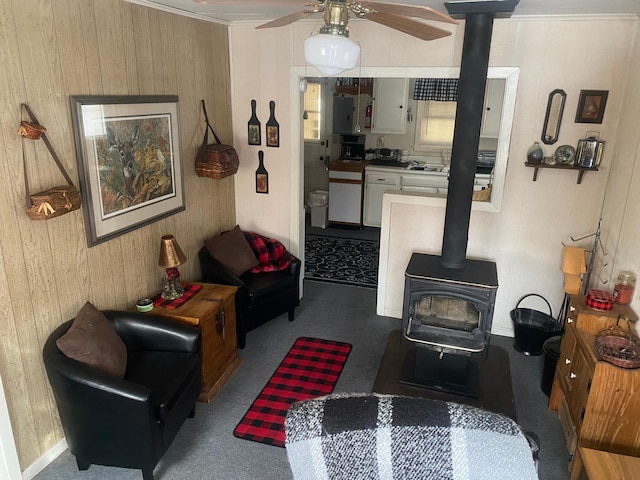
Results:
128 422
261 296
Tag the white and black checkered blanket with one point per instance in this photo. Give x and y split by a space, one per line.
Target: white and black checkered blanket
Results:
383 437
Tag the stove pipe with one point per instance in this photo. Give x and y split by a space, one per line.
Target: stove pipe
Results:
466 136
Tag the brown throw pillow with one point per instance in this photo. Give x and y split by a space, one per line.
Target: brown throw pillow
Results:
91 339
232 250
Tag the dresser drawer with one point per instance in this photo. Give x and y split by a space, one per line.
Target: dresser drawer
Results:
590 320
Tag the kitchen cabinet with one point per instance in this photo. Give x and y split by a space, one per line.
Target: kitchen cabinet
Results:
390 96
493 98
597 402
425 182
346 192
376 183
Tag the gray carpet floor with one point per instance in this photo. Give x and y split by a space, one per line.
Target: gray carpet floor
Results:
205 447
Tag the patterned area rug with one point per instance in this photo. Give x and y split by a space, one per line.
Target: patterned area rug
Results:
310 369
342 260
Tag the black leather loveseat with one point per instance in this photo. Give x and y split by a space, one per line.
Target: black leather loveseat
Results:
127 422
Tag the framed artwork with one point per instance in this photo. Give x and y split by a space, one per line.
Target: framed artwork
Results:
128 153
253 126
273 127
591 106
262 175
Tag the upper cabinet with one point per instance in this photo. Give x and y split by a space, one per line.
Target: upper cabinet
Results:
390 96
493 99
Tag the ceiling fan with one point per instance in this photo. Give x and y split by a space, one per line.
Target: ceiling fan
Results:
331 51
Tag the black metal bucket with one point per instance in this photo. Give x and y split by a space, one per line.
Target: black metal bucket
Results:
532 327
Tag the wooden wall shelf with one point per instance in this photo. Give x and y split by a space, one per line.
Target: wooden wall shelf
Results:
581 170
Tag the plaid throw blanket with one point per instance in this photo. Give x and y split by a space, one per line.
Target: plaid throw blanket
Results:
271 253
383 437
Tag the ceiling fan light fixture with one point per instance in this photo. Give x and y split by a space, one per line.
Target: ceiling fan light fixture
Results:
331 53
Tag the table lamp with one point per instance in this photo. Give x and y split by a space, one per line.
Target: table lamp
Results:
171 257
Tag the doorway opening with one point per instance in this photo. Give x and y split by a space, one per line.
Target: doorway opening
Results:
335 251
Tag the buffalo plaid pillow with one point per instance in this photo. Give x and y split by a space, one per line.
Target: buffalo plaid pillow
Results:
271 253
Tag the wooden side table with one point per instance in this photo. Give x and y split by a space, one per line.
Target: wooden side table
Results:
213 311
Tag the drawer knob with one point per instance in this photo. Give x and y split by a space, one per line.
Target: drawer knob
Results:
569 320
572 375
567 361
572 308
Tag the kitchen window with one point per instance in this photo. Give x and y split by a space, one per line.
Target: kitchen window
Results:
435 124
312 112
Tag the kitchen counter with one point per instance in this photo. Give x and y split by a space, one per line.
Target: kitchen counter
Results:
430 180
348 165
437 171
433 171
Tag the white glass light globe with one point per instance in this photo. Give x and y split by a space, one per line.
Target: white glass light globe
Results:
331 54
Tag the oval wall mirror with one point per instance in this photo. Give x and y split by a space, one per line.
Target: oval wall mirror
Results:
553 118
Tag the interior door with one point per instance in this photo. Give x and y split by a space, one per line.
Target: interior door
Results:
316 107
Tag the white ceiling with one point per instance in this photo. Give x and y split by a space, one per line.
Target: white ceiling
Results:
239 11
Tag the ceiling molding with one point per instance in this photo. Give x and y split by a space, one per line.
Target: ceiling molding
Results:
179 11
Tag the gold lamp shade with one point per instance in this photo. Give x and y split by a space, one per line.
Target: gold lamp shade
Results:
171 255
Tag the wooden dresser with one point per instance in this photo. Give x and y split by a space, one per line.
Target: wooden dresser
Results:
609 466
598 403
213 311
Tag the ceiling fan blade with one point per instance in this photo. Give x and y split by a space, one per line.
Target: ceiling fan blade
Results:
287 19
408 10
408 26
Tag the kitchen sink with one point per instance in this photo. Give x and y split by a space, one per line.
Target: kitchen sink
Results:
425 168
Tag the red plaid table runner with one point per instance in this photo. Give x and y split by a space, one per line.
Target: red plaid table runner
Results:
189 292
310 369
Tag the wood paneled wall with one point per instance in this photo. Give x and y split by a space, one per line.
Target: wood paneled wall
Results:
48 51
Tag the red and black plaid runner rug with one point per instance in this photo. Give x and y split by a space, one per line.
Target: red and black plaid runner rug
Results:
310 369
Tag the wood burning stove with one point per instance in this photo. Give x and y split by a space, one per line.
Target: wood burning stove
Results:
447 315
449 310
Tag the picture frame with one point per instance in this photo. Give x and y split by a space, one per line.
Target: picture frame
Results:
591 105
273 127
129 162
262 175
253 126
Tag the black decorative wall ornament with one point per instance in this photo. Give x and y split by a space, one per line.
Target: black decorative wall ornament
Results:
253 126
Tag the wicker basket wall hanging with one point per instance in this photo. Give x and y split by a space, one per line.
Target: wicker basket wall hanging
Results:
55 201
215 160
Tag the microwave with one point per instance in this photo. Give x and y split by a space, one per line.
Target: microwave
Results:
352 147
353 151
352 139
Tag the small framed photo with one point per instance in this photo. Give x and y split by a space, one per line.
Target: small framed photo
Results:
253 126
254 134
262 176
262 183
591 106
273 136
273 127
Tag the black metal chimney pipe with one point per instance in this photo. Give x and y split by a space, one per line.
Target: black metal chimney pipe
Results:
464 152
